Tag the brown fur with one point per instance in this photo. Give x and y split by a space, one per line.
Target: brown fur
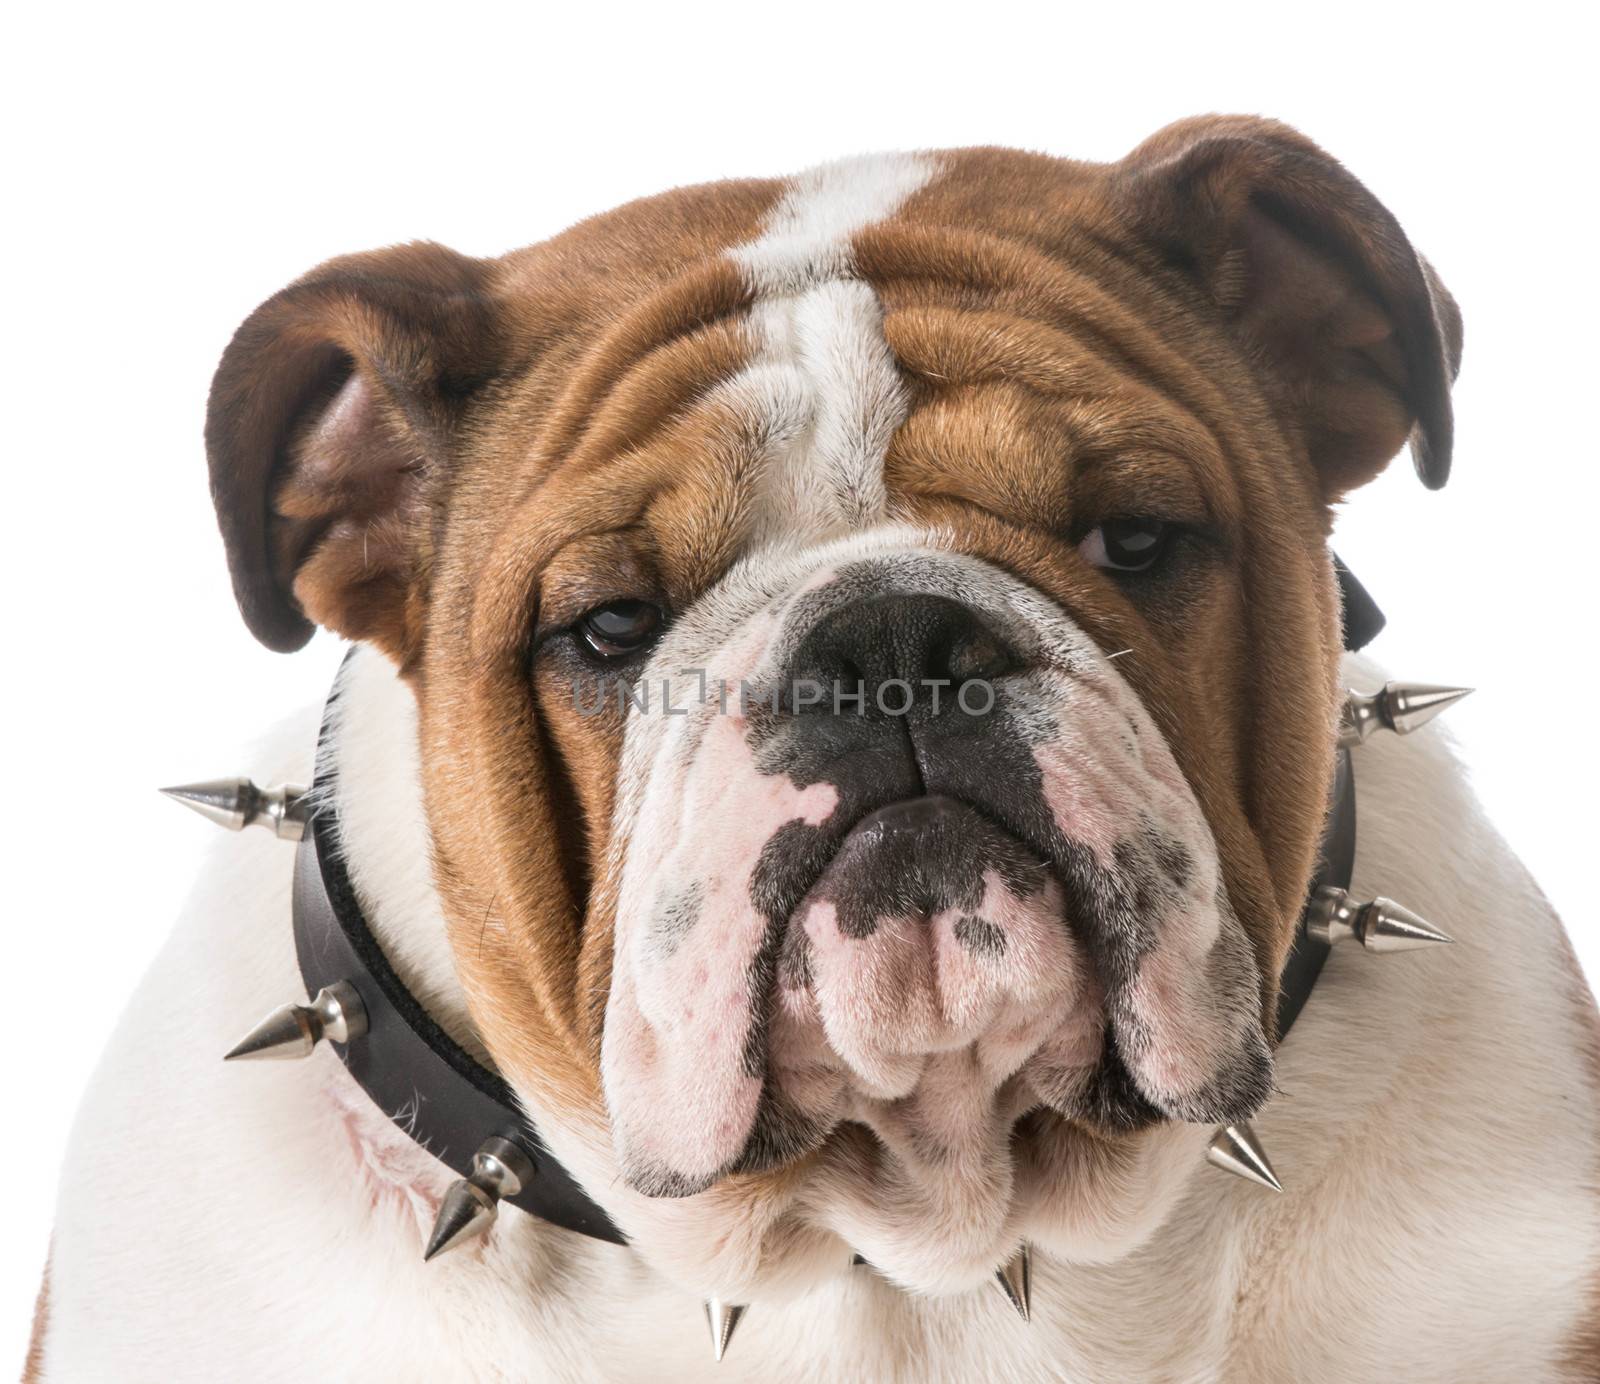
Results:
33 1366
1226 319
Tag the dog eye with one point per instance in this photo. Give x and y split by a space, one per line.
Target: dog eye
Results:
1127 545
620 628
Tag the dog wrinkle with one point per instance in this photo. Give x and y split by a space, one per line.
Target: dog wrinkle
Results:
936 1206
1091 1194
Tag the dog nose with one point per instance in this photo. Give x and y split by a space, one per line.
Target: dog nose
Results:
898 655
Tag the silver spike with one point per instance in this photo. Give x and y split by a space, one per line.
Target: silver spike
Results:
723 1318
1016 1282
334 1012
1236 1149
499 1169
236 803
1380 925
1398 706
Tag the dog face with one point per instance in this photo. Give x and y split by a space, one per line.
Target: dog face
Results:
876 652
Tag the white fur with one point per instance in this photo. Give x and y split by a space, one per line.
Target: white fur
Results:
822 391
807 237
1435 1132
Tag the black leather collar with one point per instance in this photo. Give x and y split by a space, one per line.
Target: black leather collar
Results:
448 1102
415 1072
1336 859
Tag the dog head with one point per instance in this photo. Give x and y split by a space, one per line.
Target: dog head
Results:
875 650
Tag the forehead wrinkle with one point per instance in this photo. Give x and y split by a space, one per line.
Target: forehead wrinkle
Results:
996 446
953 343
1019 452
700 297
1112 405
596 567
685 491
702 516
1148 443
651 395
1156 483
660 387
504 566
1126 322
947 345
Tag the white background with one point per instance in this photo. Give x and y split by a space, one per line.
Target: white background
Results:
165 171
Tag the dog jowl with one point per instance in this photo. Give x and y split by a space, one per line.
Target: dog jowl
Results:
822 913
1067 434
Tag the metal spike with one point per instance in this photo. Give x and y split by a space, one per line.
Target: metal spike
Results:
499 1169
723 1318
1398 706
1236 1149
1016 1282
334 1012
237 802
1380 925
465 1213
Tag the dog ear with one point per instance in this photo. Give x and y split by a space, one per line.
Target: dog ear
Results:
1355 335
332 417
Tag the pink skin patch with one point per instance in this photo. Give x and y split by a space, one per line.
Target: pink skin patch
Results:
995 980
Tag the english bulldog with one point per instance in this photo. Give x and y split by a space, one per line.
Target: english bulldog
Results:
831 994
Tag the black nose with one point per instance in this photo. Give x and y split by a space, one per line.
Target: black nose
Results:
898 655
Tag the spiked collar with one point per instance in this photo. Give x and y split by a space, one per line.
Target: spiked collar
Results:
421 1078
469 1118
